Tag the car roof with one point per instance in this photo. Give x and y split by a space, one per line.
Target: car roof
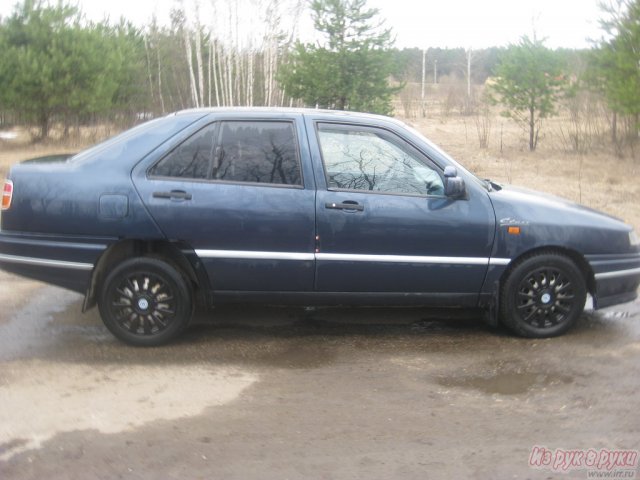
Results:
288 111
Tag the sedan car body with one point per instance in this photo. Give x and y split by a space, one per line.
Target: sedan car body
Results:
306 207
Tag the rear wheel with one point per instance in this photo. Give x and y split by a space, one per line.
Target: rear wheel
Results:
145 302
543 296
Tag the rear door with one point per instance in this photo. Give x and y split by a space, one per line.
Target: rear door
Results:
236 191
384 224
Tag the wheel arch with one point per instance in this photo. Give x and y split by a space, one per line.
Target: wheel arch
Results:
575 256
181 256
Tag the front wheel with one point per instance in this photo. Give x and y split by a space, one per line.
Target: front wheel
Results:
542 296
145 302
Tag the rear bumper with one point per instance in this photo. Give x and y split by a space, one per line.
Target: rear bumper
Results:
60 260
617 278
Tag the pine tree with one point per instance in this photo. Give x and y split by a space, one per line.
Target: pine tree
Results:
350 68
54 67
529 83
615 65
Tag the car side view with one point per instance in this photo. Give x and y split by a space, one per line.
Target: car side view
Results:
302 207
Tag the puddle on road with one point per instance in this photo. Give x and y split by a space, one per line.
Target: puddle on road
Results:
28 327
507 383
106 398
88 380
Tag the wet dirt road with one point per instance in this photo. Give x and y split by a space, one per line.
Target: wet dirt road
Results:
282 393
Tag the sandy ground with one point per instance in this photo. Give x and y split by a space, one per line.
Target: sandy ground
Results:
15 292
283 393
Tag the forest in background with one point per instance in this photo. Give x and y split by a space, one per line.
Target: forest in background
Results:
60 70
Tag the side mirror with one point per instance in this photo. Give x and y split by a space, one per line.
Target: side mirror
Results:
453 185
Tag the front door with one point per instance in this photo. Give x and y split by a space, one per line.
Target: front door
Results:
385 225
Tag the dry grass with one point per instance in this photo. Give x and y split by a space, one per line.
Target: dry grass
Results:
599 179
23 146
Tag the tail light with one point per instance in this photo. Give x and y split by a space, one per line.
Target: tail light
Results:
7 193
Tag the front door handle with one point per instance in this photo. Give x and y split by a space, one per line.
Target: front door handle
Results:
173 194
346 205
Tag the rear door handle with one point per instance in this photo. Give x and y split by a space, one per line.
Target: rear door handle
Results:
173 194
346 205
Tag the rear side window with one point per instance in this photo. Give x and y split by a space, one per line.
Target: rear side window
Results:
236 151
257 152
191 159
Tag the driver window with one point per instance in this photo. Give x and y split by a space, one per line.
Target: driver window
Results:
374 160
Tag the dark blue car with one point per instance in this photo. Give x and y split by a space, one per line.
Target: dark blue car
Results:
301 207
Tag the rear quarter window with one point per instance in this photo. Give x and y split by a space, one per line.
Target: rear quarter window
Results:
191 159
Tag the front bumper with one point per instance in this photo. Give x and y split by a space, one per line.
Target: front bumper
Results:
616 277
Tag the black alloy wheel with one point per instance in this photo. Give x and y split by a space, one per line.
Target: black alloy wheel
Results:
543 296
145 302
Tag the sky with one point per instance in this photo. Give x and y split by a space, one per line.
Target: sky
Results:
419 23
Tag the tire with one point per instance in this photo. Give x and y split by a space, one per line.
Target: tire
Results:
145 302
543 296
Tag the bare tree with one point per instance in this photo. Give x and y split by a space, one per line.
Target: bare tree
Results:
160 95
424 74
148 57
186 36
229 60
469 53
198 40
